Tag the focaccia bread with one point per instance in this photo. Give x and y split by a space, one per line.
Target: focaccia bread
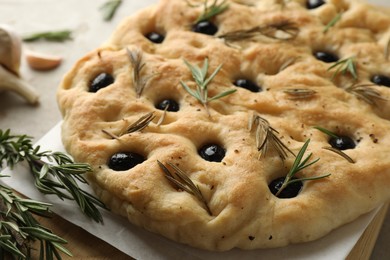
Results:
236 101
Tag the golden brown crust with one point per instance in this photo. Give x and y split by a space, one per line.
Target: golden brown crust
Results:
245 213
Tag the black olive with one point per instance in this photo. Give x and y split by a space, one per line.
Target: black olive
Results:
291 190
205 27
312 4
326 56
173 106
155 37
247 84
342 142
124 161
381 80
101 81
212 153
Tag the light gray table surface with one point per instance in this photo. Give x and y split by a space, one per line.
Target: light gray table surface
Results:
85 20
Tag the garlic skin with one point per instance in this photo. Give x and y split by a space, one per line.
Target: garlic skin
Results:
10 49
11 82
10 57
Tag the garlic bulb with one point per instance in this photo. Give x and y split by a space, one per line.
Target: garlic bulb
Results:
10 49
10 56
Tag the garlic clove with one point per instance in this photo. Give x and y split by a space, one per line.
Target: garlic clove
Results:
9 81
10 49
40 61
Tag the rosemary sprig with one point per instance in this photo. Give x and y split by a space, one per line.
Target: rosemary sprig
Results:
212 10
345 66
53 36
266 138
19 229
202 82
299 165
300 93
180 180
135 57
109 8
284 30
53 172
332 22
332 149
140 124
136 60
366 93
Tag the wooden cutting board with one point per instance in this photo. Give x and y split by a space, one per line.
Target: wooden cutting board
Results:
86 246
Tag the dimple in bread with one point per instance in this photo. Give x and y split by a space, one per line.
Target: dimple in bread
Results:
293 71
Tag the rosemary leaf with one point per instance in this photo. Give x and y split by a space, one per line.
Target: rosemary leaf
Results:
212 10
161 119
53 172
62 249
341 153
367 93
109 8
288 63
42 234
299 165
5 196
244 2
222 94
283 30
10 225
332 22
113 136
10 248
266 137
326 131
344 66
180 180
300 93
200 77
54 36
309 178
190 91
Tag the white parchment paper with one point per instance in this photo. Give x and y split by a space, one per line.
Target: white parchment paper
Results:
142 244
